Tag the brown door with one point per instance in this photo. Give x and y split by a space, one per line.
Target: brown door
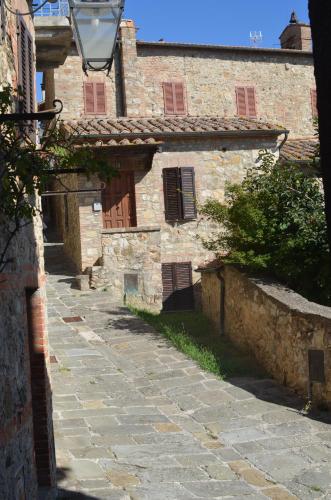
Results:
118 202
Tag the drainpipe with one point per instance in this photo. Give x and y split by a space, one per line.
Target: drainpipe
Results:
220 276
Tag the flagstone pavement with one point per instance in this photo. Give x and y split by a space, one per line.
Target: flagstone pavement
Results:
135 419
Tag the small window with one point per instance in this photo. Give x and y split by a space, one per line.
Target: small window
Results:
174 98
177 287
94 98
313 96
246 102
179 194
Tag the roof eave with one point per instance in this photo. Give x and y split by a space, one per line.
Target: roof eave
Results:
221 133
226 48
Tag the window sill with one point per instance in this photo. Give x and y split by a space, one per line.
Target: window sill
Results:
140 229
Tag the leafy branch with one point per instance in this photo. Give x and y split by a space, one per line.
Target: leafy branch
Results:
27 167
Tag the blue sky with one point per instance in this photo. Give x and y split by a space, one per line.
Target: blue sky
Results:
212 21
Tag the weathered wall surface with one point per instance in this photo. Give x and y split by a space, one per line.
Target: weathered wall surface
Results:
135 252
277 325
27 457
211 298
283 83
69 87
215 163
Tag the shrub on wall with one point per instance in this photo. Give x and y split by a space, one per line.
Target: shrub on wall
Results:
274 221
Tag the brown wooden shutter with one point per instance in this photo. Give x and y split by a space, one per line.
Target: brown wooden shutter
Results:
241 101
168 282
178 89
313 95
169 102
184 299
172 197
26 68
89 98
174 98
118 202
246 101
188 196
100 98
251 102
177 287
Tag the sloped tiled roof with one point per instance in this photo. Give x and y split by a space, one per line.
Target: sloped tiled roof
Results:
299 150
164 126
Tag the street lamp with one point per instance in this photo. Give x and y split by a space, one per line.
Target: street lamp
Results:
96 24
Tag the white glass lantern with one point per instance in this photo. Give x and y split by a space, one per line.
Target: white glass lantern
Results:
96 24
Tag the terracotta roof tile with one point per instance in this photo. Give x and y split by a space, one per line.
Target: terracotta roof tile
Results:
133 127
299 150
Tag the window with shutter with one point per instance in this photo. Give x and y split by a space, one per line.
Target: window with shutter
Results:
94 98
246 101
26 68
313 95
174 98
179 194
119 203
177 287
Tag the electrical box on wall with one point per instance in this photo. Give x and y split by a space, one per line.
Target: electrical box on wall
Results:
97 207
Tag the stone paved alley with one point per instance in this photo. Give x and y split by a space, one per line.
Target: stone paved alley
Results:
135 419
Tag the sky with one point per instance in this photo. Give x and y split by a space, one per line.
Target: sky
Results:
224 22
227 22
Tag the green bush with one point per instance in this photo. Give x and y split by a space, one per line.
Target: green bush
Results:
274 221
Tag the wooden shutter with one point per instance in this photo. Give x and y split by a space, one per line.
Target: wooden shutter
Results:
168 282
26 68
172 197
184 299
251 101
174 99
100 98
314 110
118 202
179 99
177 287
89 98
246 101
187 176
94 98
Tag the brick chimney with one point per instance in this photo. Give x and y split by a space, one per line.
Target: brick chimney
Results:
296 35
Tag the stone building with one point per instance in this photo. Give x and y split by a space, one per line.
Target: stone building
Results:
177 121
27 463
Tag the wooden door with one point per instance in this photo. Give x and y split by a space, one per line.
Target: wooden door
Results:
118 202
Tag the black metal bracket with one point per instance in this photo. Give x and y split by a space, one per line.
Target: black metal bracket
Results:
47 115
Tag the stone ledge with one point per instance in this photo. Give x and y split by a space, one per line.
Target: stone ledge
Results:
140 229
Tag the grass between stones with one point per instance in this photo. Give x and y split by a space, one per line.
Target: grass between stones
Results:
193 334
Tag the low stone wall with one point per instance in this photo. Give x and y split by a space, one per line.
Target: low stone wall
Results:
131 264
288 335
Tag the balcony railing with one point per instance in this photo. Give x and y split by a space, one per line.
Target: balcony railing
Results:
60 8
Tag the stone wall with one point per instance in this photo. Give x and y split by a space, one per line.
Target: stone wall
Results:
135 252
278 326
283 80
216 162
27 457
